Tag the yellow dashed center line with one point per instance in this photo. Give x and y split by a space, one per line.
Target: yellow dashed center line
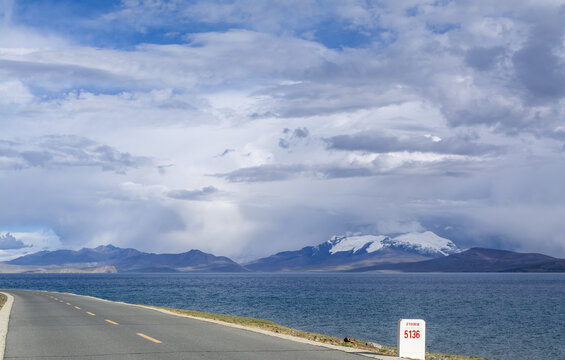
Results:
149 338
146 337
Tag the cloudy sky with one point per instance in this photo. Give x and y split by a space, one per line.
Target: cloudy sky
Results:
243 128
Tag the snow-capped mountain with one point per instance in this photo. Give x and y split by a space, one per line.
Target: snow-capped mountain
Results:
425 243
351 252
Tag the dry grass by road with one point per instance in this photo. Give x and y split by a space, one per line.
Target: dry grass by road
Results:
3 299
276 328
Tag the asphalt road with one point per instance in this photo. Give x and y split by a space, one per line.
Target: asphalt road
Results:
47 325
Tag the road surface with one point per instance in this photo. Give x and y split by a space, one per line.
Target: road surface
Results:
47 325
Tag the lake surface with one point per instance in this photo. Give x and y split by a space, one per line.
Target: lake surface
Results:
499 316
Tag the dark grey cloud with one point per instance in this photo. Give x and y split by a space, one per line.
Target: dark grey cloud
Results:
300 133
482 58
183 194
292 137
226 152
265 173
65 76
540 71
36 158
263 115
337 172
337 90
538 64
162 169
9 242
270 173
68 151
378 143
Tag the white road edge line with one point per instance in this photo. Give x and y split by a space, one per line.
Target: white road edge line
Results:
4 320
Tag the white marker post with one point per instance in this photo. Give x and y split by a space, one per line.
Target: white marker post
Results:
412 339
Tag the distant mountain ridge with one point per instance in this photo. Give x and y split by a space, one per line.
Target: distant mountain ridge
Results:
342 253
85 255
127 260
479 260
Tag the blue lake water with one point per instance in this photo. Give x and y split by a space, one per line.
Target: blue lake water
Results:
499 316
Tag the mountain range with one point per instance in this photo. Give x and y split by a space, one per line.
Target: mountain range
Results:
109 258
410 252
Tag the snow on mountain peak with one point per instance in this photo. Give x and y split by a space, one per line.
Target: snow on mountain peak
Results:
356 243
424 242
